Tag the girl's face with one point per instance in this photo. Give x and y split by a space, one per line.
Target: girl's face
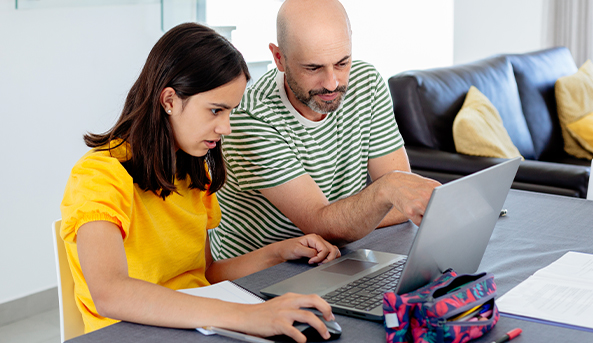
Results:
200 123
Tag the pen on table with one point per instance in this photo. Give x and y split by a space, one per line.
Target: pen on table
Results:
503 212
237 335
508 336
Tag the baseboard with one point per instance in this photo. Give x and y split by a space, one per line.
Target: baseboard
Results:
28 306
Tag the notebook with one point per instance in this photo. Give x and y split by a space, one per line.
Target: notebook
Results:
454 233
226 291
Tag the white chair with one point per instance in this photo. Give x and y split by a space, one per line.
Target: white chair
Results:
71 323
590 188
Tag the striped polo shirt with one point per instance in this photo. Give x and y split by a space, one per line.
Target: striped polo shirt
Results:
271 144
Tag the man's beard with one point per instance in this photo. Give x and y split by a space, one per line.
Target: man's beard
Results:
307 98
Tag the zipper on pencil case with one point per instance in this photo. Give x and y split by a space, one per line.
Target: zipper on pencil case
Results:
432 299
445 291
441 323
479 302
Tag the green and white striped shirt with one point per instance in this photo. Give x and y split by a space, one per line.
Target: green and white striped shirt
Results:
272 143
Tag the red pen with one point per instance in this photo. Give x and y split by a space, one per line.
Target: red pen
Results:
508 336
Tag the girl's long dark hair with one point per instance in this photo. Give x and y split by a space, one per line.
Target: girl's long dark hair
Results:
191 59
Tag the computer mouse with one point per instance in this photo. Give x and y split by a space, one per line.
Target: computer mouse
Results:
335 331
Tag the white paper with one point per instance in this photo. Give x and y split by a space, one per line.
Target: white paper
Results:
226 291
561 292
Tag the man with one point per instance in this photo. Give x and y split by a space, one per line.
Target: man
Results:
304 137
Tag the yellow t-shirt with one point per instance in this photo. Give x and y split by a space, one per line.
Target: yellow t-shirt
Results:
164 239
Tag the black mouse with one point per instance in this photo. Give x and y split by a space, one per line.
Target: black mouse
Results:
335 331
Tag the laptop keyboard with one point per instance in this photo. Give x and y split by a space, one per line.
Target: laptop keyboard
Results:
367 293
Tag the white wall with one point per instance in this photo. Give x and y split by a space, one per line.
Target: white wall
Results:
399 35
63 71
487 27
255 22
394 35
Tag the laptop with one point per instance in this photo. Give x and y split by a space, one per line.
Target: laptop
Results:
454 233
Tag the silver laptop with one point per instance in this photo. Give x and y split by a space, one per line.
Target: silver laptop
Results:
454 233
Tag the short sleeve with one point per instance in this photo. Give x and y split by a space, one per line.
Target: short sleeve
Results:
385 136
259 153
99 188
210 202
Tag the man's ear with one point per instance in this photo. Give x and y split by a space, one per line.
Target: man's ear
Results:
167 99
278 57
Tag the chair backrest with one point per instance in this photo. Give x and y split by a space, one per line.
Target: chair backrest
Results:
71 323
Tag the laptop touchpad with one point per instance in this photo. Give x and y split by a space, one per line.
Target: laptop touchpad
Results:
349 267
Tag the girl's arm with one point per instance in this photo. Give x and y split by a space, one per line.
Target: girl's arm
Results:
313 246
118 296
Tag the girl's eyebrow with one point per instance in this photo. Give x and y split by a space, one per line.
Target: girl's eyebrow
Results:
225 106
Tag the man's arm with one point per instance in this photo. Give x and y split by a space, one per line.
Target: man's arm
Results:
397 160
354 217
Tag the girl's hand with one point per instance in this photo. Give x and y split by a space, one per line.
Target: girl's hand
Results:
313 246
276 316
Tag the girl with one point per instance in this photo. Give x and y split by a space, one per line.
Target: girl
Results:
137 207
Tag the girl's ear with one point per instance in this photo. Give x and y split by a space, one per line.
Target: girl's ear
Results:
167 99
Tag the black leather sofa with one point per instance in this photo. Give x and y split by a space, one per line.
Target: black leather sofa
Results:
521 87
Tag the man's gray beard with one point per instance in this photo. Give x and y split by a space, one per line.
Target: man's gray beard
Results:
327 106
309 100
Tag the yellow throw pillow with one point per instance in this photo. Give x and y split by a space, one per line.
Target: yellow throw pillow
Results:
478 129
582 131
574 98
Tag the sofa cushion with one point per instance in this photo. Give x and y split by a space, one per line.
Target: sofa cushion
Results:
582 131
535 74
574 96
478 129
426 102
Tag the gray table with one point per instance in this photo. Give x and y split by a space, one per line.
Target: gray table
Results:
538 229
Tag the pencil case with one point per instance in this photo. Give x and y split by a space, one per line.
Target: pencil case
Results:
452 309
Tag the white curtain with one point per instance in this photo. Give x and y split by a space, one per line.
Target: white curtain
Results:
570 24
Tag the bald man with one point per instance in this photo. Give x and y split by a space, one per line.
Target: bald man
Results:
304 137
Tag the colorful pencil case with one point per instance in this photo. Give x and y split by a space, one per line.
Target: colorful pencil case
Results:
453 308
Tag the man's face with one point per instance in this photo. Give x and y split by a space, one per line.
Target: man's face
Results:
320 100
319 79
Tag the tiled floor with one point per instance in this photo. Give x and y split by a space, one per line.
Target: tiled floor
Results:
40 328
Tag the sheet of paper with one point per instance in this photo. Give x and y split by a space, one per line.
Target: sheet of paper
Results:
573 266
561 292
225 290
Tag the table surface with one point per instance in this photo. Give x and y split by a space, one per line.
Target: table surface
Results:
538 229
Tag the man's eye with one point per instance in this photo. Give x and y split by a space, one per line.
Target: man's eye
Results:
215 111
312 69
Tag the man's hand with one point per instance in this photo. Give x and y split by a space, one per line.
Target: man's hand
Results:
409 193
313 246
